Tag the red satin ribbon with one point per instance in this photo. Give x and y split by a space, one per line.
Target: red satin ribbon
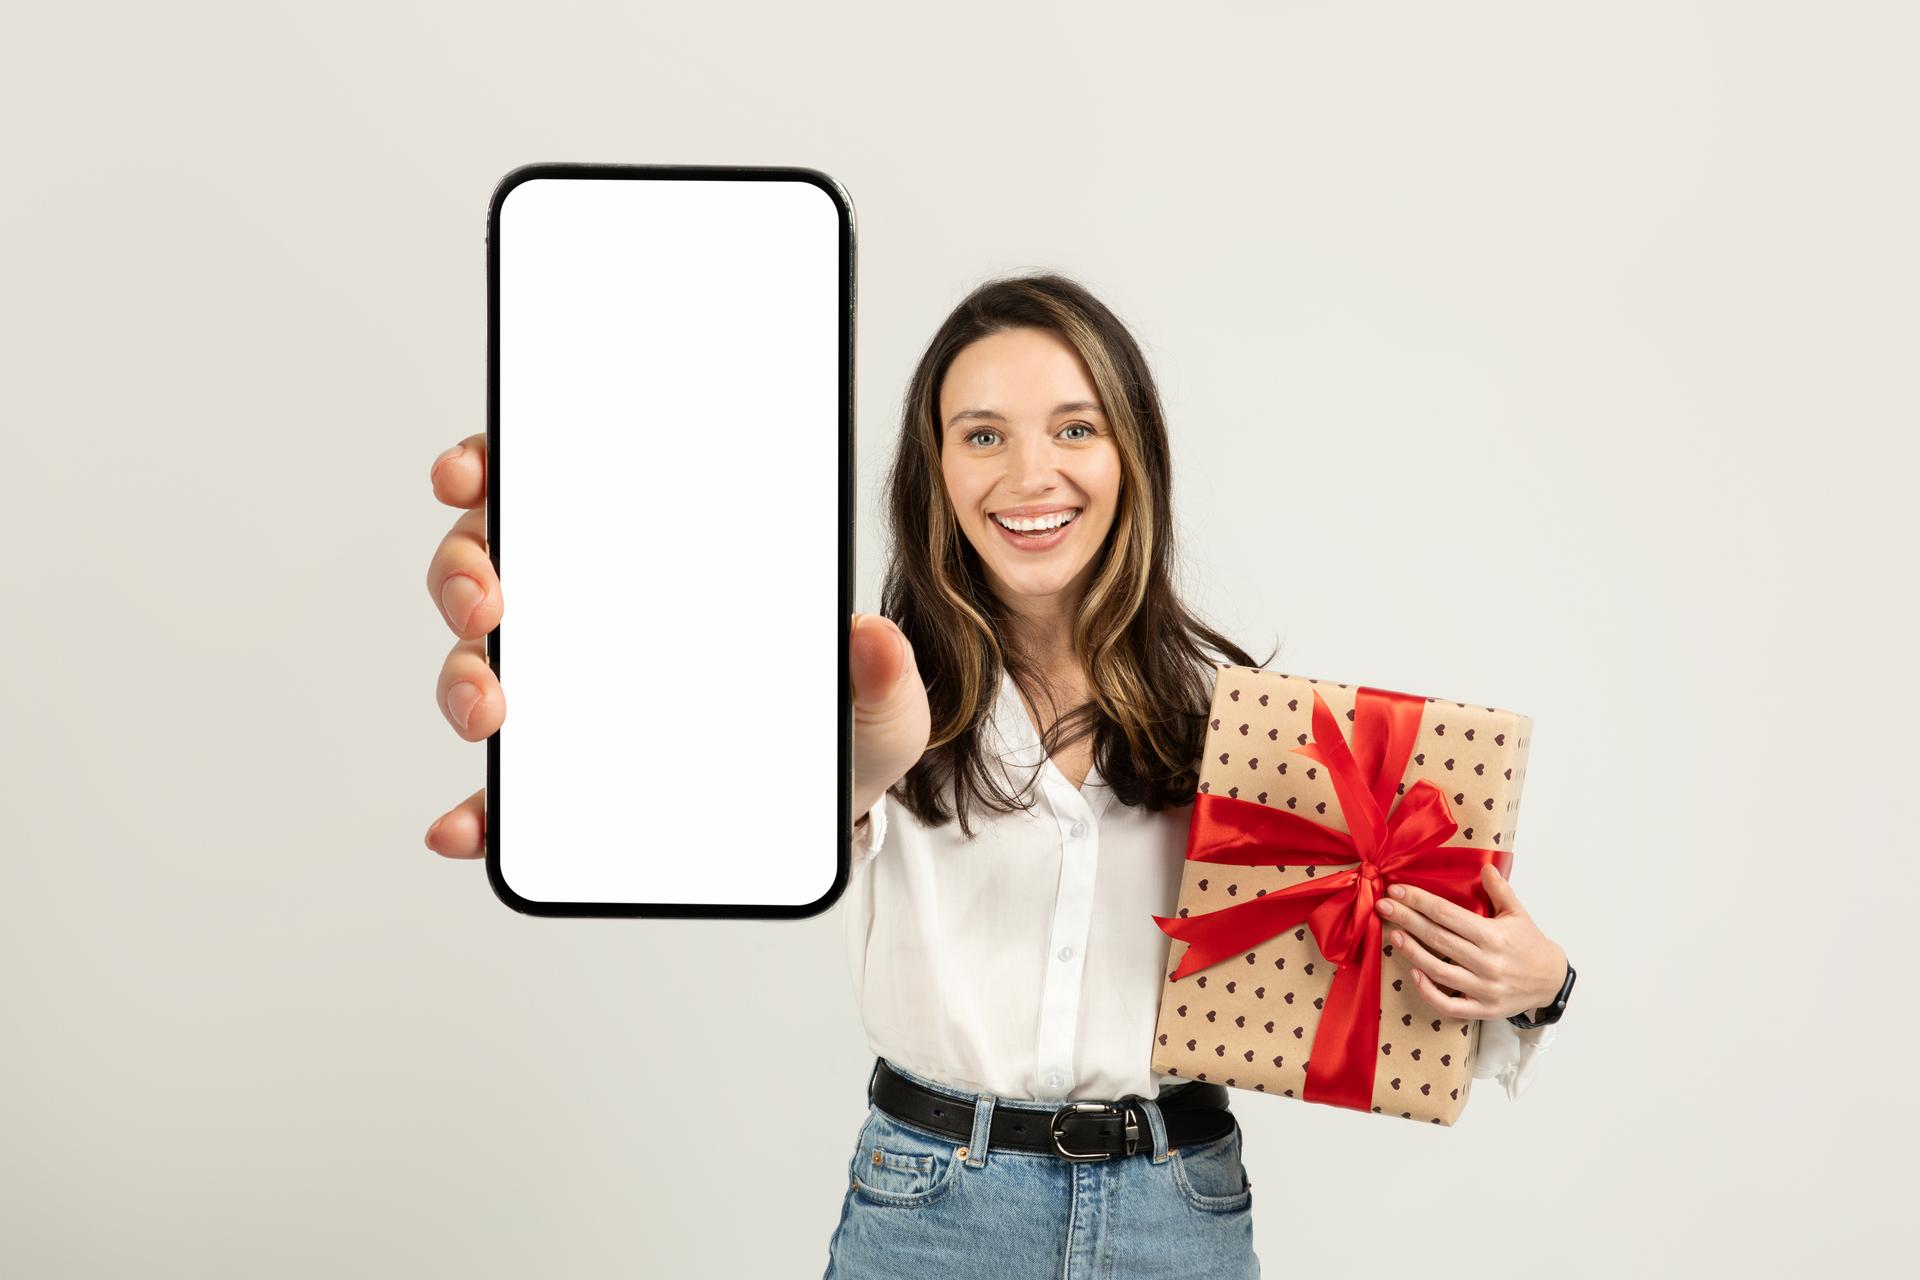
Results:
1401 848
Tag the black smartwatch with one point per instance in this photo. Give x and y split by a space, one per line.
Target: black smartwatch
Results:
1550 1013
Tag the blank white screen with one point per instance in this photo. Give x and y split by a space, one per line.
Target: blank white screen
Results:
669 426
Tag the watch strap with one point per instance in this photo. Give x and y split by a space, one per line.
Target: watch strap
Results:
1549 1013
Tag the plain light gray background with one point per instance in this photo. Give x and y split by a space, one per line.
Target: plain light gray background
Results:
1557 356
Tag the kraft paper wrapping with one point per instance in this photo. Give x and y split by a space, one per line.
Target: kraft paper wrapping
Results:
1249 1021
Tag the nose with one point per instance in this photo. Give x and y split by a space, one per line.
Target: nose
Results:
1031 472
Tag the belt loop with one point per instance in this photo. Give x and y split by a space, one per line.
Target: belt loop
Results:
982 1130
1158 1124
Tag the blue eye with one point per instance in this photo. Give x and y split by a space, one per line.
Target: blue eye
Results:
1072 425
981 432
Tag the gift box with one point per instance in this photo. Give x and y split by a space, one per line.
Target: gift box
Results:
1314 798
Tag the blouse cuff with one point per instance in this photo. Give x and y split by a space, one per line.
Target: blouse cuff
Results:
866 844
1511 1054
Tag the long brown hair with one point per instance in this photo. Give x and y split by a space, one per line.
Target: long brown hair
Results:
1143 653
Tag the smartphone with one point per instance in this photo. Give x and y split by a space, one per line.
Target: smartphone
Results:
669 508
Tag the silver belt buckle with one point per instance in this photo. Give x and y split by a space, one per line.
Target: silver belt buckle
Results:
1085 1107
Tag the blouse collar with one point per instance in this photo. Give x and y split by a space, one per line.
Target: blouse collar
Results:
1021 740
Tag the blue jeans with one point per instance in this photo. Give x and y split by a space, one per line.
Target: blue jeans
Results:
915 1206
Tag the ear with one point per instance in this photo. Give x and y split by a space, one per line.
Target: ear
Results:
1500 890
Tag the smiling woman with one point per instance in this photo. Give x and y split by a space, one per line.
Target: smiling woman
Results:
999 914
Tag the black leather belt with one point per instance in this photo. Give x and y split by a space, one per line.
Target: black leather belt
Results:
1194 1112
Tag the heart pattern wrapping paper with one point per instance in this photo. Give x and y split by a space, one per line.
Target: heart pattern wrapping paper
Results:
1249 1020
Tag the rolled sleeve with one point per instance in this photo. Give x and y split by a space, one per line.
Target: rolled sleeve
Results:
1510 1054
866 846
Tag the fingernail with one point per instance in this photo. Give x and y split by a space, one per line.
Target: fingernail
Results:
433 831
1386 907
454 452
906 655
461 700
1398 891
460 596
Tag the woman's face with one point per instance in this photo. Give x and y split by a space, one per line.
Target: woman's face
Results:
1023 438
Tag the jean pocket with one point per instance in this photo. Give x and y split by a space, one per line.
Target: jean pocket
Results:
1210 1175
901 1166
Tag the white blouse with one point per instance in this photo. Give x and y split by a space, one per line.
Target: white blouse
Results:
1025 963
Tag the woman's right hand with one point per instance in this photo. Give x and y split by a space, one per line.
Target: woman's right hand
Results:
462 582
891 722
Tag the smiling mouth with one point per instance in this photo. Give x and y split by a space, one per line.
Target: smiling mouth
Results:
1037 527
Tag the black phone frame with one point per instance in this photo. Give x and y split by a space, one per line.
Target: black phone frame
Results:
848 294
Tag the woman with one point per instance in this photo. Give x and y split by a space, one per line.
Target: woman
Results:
1004 875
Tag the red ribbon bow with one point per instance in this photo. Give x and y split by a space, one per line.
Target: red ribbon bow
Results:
1402 848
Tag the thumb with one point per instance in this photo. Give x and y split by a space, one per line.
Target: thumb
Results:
878 658
1500 890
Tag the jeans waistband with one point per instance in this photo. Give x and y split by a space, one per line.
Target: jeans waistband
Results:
1077 1129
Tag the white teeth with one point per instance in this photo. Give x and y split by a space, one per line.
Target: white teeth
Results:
1030 525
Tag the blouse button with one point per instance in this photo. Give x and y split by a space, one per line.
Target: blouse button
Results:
1079 829
1056 1079
1066 953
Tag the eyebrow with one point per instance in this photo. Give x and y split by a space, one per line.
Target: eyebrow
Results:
1071 406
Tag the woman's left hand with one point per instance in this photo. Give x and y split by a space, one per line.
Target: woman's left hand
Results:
1502 965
